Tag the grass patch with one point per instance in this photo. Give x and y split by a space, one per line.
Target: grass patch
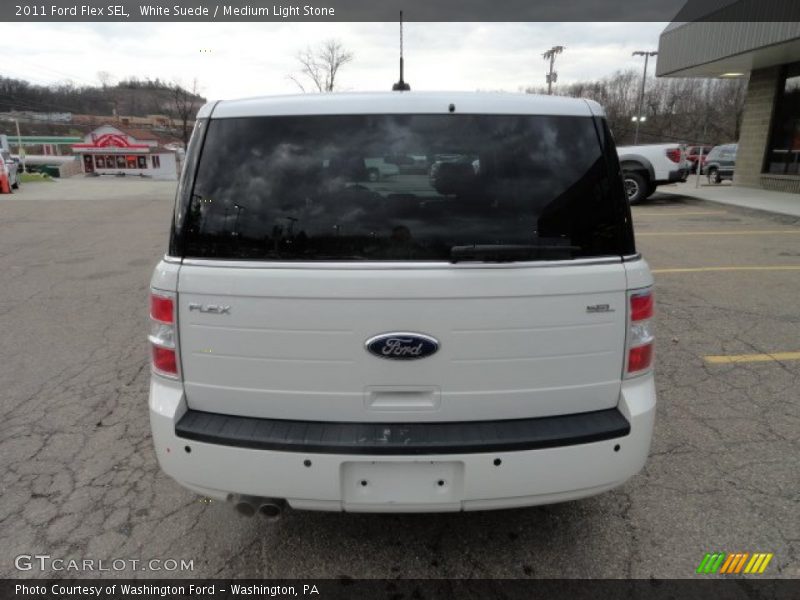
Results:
34 177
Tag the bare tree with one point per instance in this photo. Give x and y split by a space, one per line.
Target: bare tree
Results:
183 107
695 111
319 67
105 78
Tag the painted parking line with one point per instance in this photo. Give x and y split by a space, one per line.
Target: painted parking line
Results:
729 232
742 358
722 269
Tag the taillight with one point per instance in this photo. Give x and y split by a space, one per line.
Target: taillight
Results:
165 361
163 347
641 306
674 154
639 342
161 308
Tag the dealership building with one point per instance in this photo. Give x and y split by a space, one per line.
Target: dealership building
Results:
768 53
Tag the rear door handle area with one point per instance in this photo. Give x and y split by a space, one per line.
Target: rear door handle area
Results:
402 397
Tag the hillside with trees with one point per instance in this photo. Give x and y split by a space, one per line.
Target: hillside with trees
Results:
687 110
130 97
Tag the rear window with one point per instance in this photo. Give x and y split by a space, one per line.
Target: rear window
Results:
404 188
727 152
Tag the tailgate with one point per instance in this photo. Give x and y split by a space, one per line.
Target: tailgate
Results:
514 342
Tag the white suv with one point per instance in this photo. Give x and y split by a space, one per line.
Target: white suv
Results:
482 343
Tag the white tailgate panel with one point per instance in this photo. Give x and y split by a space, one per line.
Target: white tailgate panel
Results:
514 342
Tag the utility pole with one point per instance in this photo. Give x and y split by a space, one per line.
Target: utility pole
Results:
640 117
552 76
20 149
239 208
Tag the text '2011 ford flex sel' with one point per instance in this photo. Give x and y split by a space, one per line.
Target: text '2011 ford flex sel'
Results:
472 332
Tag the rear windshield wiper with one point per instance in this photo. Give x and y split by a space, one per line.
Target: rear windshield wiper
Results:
509 252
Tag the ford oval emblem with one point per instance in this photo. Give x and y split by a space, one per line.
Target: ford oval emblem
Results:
402 345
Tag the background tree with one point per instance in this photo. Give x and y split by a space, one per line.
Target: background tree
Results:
105 78
319 67
183 108
689 110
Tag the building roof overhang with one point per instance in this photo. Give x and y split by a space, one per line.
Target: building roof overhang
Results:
726 49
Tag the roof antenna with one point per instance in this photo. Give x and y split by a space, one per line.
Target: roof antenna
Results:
401 86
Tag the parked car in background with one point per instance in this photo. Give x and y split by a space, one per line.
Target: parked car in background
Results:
11 168
380 168
693 156
720 163
646 167
409 164
449 171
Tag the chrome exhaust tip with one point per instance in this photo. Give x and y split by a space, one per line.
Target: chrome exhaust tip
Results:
245 508
245 505
271 509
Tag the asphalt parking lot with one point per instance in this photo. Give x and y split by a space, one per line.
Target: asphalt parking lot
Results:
79 479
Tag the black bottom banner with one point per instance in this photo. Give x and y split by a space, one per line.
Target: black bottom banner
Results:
401 589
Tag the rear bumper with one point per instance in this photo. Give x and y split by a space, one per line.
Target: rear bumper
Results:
399 439
675 176
325 478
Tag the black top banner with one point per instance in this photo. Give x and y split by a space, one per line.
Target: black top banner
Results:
388 10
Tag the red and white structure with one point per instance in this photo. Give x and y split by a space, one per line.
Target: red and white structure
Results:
109 150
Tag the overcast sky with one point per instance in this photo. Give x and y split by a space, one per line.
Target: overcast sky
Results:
241 60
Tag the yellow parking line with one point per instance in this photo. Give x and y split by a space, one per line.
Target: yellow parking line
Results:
712 269
739 358
675 213
729 232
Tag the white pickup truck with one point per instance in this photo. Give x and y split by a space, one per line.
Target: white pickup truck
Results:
647 166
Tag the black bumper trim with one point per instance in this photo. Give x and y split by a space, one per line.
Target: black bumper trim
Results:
402 438
677 175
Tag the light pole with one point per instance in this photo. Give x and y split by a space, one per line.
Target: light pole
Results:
239 208
552 76
640 117
20 149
